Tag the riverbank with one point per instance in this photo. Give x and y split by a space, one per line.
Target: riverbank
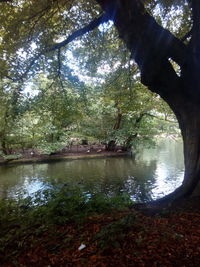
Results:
119 237
67 153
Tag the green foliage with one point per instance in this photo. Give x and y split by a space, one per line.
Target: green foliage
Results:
80 89
12 156
48 119
49 148
34 215
59 205
111 235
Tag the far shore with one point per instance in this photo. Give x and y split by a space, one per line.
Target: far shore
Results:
30 156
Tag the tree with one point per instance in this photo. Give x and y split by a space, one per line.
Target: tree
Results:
10 112
153 42
119 109
152 47
49 115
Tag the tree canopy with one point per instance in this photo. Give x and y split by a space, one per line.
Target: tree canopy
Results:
37 35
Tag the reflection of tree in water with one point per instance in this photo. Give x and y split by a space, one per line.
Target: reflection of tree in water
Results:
111 176
140 185
11 178
134 179
16 180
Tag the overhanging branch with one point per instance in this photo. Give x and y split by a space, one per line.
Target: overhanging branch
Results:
91 26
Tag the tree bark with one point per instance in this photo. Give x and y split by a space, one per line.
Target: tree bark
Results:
189 121
188 115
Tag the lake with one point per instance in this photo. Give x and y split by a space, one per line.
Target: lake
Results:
151 174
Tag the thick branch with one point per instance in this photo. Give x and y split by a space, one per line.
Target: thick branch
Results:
195 40
132 20
190 71
150 44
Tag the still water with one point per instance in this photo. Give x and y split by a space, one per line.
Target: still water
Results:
151 174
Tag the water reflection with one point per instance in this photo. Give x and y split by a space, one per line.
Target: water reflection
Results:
152 174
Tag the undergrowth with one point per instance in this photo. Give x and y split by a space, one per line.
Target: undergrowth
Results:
45 209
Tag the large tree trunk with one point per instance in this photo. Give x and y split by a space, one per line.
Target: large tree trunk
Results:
152 46
188 116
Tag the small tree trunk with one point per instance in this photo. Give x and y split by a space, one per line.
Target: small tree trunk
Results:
4 147
111 146
118 119
128 143
3 142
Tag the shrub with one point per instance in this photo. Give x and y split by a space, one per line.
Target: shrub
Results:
12 156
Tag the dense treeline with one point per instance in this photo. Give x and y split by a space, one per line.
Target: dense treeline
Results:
49 116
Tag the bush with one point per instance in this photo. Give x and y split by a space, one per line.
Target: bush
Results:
58 206
35 215
12 156
49 148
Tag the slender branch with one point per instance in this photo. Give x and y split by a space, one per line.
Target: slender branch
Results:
159 118
139 119
31 64
59 63
38 16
